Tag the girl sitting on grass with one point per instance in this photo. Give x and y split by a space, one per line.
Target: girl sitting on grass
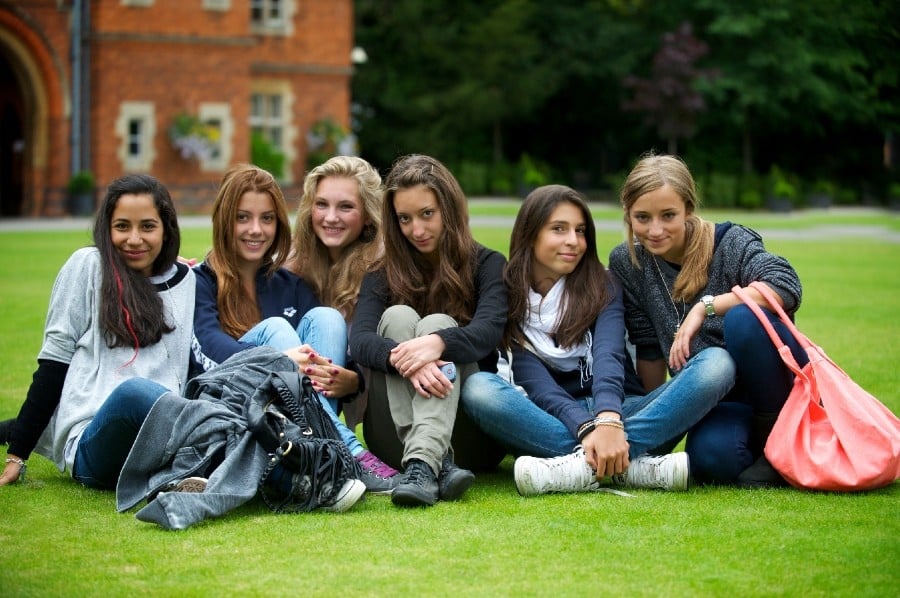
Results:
435 299
336 240
245 298
120 316
585 422
678 271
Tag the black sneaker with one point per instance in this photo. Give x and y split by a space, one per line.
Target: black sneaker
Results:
375 484
453 481
417 486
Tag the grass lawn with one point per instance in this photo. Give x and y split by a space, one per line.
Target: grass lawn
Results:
62 539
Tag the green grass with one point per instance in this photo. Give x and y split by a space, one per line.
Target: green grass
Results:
62 539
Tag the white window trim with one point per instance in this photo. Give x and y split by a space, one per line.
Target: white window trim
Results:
221 112
218 5
288 128
137 2
145 112
285 27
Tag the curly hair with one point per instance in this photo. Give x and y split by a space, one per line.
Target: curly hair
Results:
237 312
336 283
447 287
586 290
653 172
131 311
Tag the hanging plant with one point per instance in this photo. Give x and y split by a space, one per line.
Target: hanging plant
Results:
192 137
327 138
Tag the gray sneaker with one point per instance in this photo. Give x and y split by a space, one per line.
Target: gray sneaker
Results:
417 487
453 480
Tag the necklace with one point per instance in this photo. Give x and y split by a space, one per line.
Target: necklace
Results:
678 316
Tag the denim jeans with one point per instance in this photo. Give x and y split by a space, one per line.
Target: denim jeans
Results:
322 328
106 441
654 422
728 440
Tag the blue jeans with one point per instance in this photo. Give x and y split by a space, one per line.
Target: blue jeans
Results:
654 422
729 439
106 441
322 328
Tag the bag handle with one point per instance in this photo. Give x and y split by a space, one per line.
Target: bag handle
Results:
783 350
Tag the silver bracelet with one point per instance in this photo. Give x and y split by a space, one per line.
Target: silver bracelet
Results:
22 467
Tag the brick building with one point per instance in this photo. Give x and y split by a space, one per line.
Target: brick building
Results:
98 85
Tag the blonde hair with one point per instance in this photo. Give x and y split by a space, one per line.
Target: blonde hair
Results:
237 313
653 172
337 284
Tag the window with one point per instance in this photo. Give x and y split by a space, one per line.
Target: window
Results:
136 130
218 117
270 109
272 16
221 5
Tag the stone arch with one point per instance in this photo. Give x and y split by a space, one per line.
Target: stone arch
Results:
37 110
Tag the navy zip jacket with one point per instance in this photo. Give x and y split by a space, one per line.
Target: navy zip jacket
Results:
282 294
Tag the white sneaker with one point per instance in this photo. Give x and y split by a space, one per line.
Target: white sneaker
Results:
569 473
665 472
347 496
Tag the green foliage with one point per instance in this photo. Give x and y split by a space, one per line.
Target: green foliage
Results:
325 140
81 182
472 177
718 190
808 86
532 173
265 155
782 185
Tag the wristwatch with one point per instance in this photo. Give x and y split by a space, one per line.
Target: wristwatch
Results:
708 304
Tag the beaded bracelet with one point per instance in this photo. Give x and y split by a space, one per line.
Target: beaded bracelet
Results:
22 467
585 429
609 421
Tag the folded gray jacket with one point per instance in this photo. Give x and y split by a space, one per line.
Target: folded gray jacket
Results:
181 435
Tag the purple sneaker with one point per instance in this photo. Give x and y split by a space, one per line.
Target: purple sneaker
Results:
378 476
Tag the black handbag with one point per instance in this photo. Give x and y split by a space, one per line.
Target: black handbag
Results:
288 421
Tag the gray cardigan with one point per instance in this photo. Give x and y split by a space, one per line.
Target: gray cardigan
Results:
739 258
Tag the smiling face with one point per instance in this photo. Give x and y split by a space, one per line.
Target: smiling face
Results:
559 246
337 214
419 218
255 225
657 220
137 231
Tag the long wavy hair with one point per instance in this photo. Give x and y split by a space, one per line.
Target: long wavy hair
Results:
447 287
337 283
237 311
586 290
651 173
131 311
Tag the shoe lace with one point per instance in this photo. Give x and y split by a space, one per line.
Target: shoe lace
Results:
417 474
375 466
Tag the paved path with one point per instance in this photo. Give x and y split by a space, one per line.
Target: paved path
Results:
812 233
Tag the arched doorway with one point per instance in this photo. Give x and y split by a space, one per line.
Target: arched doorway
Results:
12 142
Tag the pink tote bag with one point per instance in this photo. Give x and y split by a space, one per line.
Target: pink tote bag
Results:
831 434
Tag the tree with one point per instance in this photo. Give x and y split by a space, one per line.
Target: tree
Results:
669 98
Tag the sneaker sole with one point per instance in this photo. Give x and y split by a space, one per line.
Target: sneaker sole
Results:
351 492
412 499
194 485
